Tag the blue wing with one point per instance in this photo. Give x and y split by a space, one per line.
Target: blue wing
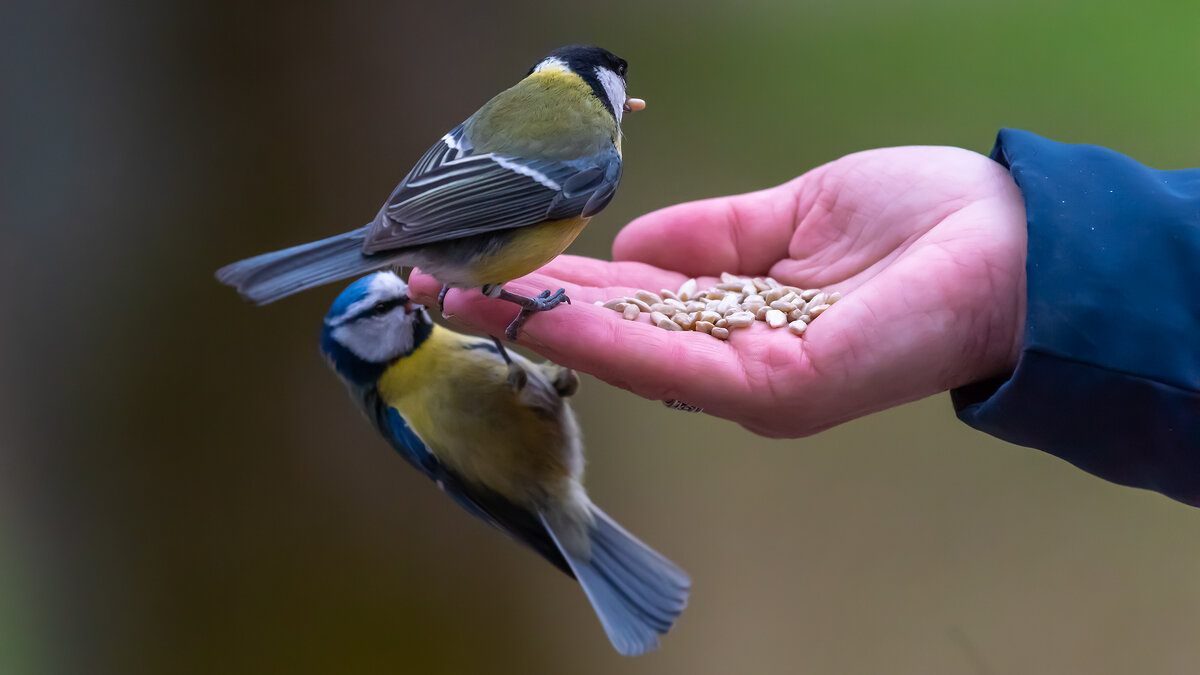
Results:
452 192
518 522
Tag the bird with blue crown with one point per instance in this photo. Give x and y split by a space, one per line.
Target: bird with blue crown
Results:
495 432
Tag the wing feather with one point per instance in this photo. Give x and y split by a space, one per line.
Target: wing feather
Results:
452 193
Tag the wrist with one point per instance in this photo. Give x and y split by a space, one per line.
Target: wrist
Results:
1003 294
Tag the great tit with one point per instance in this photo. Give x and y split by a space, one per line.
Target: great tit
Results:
494 431
496 198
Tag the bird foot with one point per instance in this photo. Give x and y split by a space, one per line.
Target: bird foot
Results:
545 301
517 377
442 300
566 382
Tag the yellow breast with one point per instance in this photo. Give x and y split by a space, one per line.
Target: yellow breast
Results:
526 249
459 402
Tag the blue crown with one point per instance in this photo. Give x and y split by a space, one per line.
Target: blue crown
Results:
353 293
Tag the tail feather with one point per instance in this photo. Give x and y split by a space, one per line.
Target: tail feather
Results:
636 592
628 632
668 582
651 603
635 596
268 277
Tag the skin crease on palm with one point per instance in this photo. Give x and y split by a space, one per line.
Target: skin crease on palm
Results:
927 245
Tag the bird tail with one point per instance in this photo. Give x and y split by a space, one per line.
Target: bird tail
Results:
268 277
636 592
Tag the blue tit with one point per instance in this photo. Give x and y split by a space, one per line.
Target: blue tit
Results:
495 432
496 198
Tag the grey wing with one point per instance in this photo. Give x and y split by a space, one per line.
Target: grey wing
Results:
453 192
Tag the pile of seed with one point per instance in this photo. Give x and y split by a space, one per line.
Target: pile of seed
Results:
736 302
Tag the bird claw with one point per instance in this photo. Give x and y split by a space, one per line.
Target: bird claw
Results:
566 382
544 301
517 377
553 298
510 333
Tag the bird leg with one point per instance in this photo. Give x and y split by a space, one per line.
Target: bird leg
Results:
442 299
566 381
546 300
517 377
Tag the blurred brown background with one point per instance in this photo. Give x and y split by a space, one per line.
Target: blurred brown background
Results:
185 488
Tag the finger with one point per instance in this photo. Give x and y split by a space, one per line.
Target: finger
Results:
603 274
615 279
633 355
424 289
743 234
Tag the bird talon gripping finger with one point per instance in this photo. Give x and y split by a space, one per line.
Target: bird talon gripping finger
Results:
512 456
494 199
545 301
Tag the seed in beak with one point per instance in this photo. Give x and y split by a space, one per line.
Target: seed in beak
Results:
634 105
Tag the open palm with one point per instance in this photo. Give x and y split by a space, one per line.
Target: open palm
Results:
926 244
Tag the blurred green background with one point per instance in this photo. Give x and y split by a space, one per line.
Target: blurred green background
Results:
185 488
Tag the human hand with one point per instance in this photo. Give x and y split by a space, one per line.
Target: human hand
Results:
926 244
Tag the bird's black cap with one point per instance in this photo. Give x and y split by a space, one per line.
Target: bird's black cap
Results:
582 58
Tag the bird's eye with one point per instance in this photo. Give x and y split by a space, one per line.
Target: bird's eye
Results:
384 306
621 69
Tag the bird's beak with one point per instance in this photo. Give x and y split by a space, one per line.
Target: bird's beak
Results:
633 104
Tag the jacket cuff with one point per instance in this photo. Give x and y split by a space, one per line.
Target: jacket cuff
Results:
1109 374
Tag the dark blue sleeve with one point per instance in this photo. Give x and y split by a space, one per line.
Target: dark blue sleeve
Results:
1109 373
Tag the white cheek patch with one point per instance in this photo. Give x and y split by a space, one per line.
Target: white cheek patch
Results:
614 87
378 339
